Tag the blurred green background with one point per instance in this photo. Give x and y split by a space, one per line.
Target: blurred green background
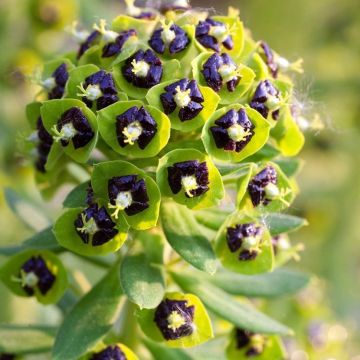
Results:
326 33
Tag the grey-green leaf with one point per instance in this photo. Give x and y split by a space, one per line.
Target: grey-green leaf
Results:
280 282
25 339
160 352
142 281
90 319
77 196
186 238
227 308
282 223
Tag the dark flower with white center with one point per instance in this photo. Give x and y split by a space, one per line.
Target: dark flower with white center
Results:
114 48
34 273
55 84
254 343
190 176
174 319
171 37
263 187
91 40
109 353
73 126
6 356
128 194
94 226
220 69
143 69
233 131
211 34
44 143
268 56
185 95
244 237
266 100
135 125
99 87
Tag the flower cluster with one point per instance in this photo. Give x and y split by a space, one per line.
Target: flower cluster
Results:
182 124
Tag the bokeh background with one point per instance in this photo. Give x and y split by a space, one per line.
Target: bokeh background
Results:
326 33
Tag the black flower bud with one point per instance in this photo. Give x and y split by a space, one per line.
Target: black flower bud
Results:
59 78
109 353
91 40
268 56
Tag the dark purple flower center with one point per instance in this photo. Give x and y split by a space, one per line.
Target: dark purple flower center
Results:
114 48
233 131
259 184
143 69
220 69
185 95
266 99
44 144
91 40
253 342
135 125
99 87
35 273
128 194
268 56
60 76
74 126
191 176
211 34
172 38
94 226
244 237
110 353
174 319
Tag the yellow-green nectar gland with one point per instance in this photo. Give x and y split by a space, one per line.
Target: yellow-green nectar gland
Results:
66 133
189 183
229 72
132 132
167 35
89 226
140 68
175 320
219 32
122 201
237 133
107 35
92 91
182 98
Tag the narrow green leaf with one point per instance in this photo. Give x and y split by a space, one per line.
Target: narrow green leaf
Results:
186 238
26 210
160 352
281 223
290 166
280 282
77 196
223 305
43 240
211 219
90 319
142 277
26 339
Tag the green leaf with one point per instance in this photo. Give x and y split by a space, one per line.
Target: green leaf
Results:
282 223
77 196
142 277
280 282
185 237
44 239
90 319
26 210
220 303
290 166
160 352
26 339
213 219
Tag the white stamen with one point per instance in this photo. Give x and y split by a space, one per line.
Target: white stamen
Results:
189 183
79 36
67 132
89 226
108 35
123 200
92 92
283 243
48 84
272 102
228 72
237 133
140 68
175 321
29 279
132 132
167 35
250 242
182 98
33 137
271 191
220 32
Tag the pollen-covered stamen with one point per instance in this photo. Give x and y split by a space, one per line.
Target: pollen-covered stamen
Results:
27 279
286 65
89 226
123 201
272 192
132 133
189 184
92 91
174 319
66 133
182 98
220 32
109 353
237 133
108 35
140 68
167 35
228 72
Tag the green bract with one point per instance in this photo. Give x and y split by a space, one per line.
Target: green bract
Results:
216 188
99 349
15 278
